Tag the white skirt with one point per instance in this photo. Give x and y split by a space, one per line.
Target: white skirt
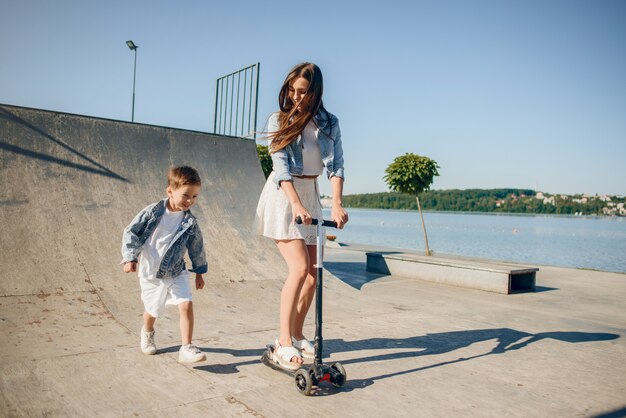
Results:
273 213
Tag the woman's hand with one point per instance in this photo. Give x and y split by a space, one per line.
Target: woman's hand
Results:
296 206
339 215
298 210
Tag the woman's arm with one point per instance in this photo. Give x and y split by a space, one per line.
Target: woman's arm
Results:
338 154
280 159
337 212
280 166
297 209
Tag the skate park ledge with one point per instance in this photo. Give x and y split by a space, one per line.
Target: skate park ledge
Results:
476 274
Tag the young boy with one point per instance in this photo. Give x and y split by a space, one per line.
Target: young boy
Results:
157 239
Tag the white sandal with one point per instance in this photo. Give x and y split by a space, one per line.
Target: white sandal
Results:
305 347
283 355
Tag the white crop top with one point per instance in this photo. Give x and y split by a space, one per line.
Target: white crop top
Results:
312 164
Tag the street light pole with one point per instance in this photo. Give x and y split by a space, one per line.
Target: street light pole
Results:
133 47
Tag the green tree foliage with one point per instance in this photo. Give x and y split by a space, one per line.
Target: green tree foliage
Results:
412 174
265 159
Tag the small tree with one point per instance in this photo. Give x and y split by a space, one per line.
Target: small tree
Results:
412 174
265 158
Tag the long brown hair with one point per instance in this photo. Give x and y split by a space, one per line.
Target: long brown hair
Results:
291 122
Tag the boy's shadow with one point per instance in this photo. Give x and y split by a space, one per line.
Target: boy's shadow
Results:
423 345
222 368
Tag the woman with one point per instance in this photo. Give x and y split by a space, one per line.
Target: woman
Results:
304 138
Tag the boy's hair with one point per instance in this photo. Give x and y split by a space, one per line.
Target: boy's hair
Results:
182 175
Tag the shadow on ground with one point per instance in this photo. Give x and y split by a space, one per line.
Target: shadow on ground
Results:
92 167
352 273
423 345
439 343
617 413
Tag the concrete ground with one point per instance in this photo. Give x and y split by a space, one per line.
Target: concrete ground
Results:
70 320
410 348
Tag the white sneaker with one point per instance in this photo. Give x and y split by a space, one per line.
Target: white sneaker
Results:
190 354
147 342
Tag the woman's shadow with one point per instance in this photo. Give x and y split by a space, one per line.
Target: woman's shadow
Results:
423 345
445 342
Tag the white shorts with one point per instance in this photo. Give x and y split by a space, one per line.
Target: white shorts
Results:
156 293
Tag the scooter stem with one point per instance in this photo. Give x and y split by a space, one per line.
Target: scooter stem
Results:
319 341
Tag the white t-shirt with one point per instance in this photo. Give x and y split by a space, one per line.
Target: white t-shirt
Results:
312 164
155 247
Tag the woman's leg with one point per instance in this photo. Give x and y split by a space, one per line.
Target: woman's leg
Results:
305 298
296 256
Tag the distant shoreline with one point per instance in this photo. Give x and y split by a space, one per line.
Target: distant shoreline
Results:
543 215
505 201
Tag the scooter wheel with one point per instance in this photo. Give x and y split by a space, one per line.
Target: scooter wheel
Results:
340 378
304 383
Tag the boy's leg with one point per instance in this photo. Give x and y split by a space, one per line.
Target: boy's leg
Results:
153 293
186 321
148 322
148 346
180 294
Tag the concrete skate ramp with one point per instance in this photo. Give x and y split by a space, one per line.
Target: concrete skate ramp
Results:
70 184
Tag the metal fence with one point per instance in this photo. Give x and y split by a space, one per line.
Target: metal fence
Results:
236 100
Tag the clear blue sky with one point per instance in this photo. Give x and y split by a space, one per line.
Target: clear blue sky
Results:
528 93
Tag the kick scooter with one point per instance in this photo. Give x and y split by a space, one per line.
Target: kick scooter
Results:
311 375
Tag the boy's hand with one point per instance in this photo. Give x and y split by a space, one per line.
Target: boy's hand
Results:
130 266
199 281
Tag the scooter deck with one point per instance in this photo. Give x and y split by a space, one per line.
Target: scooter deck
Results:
268 361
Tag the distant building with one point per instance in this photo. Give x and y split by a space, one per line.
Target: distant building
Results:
327 201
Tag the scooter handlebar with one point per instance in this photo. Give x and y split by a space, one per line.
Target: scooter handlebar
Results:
314 221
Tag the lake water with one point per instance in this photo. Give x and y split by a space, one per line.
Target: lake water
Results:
583 242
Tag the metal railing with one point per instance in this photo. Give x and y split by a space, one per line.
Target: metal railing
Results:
236 100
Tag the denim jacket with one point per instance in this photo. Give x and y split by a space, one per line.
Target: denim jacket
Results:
187 237
288 161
